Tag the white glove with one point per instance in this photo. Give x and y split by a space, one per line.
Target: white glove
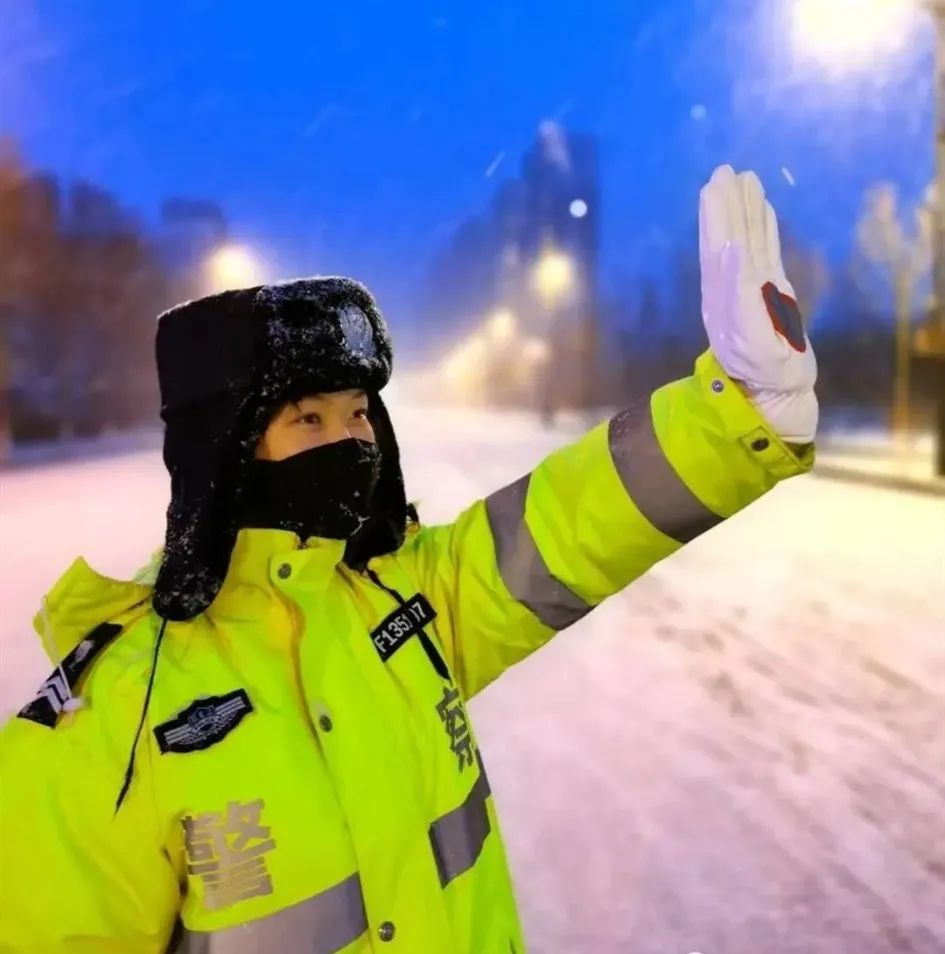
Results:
749 307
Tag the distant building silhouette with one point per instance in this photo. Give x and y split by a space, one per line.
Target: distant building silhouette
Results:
561 180
491 261
79 288
95 213
463 276
190 230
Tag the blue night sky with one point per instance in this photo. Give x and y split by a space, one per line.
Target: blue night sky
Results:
353 137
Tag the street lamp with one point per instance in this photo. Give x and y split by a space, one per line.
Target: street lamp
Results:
578 209
463 368
233 266
554 276
842 33
554 279
501 325
936 323
937 9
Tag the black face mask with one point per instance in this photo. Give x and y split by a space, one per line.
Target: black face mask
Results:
322 492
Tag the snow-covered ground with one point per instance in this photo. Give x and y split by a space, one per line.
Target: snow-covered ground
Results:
744 753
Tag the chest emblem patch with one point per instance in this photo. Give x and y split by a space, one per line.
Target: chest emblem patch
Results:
203 723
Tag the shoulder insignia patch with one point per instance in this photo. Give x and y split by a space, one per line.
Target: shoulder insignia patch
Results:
52 694
203 723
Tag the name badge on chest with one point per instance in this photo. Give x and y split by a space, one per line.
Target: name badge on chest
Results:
404 622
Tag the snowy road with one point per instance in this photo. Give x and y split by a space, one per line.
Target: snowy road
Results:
743 753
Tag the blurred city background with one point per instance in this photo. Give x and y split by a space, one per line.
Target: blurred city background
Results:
518 184
518 187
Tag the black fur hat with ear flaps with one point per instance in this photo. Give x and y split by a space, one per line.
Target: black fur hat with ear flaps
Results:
226 363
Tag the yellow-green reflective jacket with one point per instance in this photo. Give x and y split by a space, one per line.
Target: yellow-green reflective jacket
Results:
307 779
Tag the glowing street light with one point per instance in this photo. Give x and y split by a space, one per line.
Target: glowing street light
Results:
554 275
501 326
233 266
845 33
578 208
465 362
554 278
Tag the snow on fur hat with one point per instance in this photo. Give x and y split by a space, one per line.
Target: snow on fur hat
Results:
225 364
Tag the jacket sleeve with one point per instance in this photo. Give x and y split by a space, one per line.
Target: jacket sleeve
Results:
538 555
77 878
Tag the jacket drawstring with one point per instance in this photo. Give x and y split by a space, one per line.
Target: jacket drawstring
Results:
432 653
129 771
70 702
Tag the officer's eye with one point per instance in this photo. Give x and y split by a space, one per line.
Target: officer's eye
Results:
361 414
311 419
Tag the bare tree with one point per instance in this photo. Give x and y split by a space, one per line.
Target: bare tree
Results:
79 287
10 176
902 256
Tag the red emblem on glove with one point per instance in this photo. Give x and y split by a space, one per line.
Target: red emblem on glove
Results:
785 316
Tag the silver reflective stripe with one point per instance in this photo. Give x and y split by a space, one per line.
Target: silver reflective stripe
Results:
522 566
657 490
322 925
457 838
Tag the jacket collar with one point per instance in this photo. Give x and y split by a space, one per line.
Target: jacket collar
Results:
265 560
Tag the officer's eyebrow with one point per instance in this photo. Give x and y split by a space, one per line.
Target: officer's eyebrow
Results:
355 395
